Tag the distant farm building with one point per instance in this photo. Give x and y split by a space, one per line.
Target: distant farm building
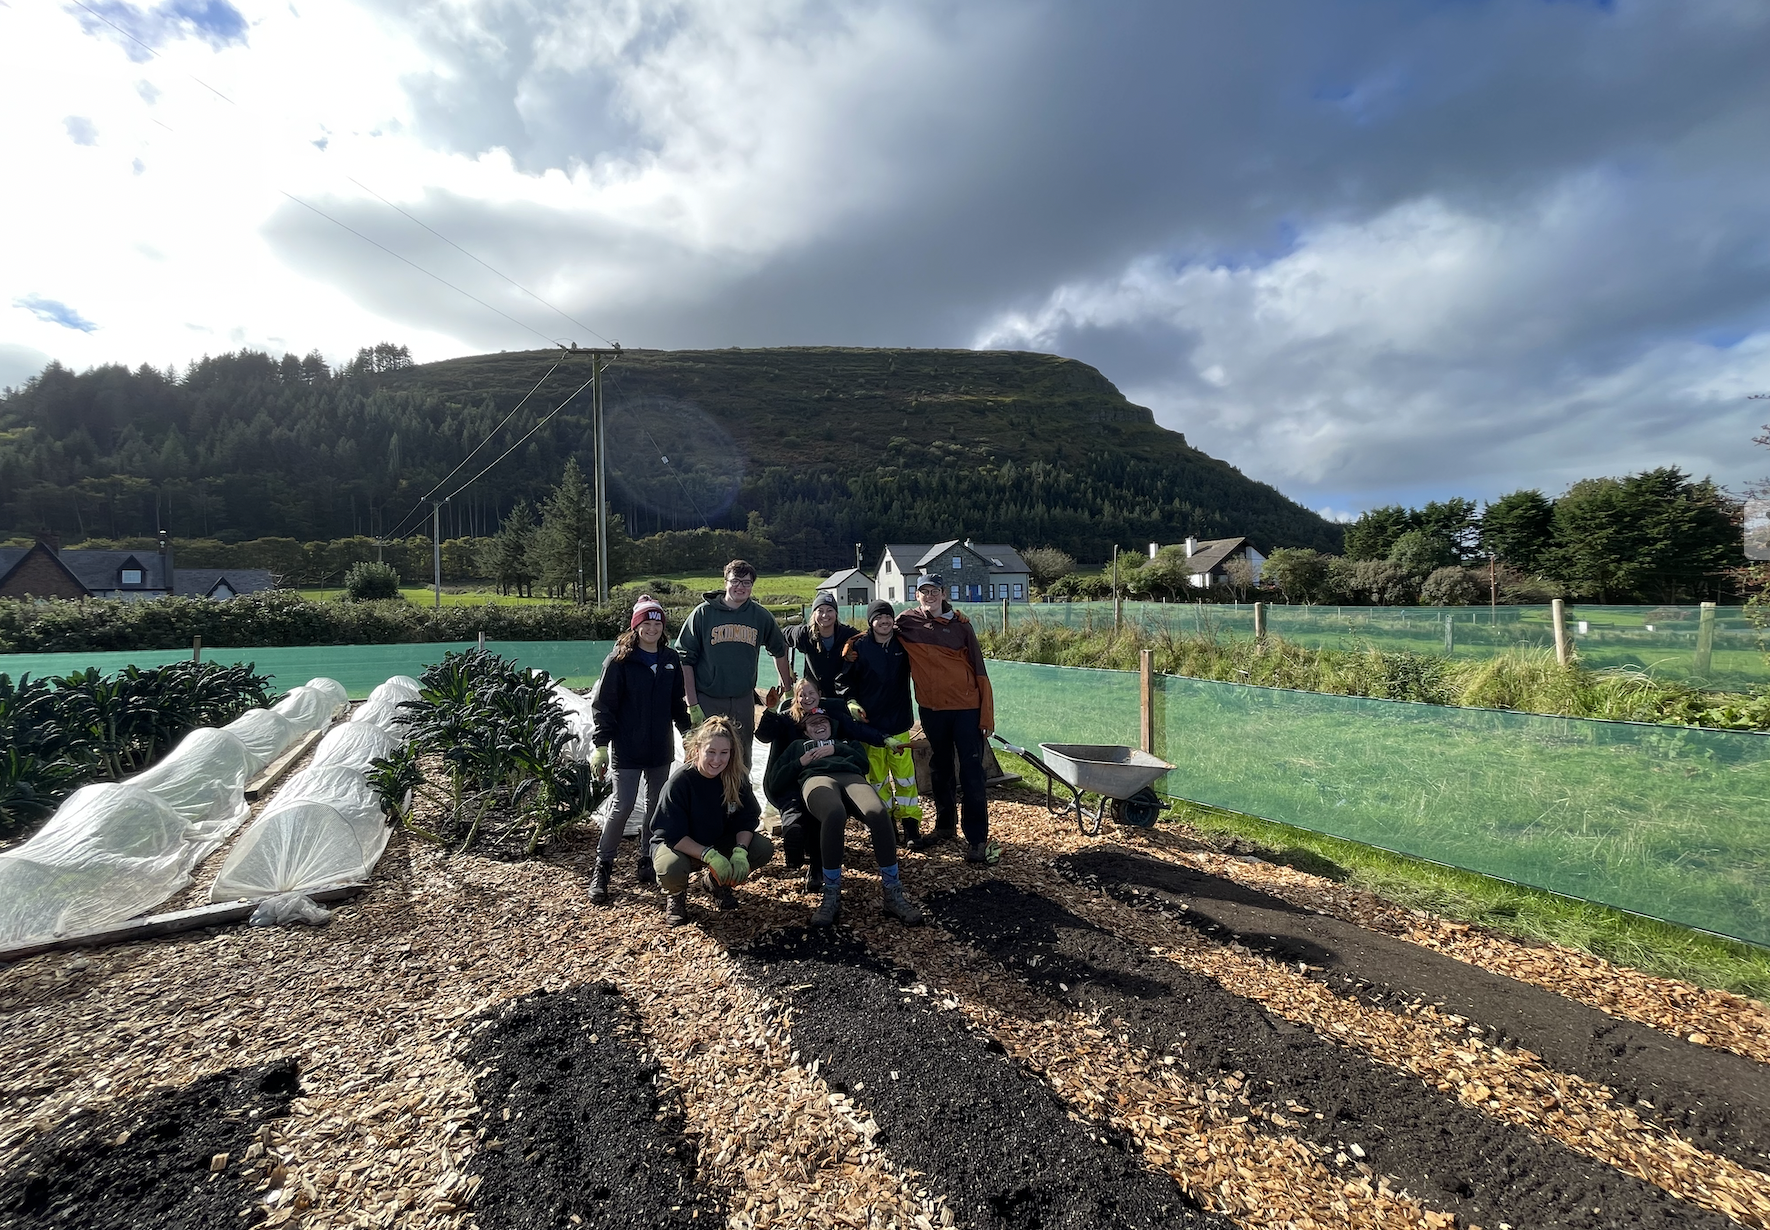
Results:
851 587
973 571
41 571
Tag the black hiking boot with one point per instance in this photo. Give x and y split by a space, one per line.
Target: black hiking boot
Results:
987 852
676 908
912 832
605 867
723 897
829 908
792 847
900 906
814 879
942 833
645 873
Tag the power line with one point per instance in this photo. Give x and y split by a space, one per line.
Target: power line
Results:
531 431
420 268
676 474
470 256
489 437
145 47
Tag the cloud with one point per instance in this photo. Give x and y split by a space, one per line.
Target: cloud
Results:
55 312
19 363
141 31
80 130
1365 250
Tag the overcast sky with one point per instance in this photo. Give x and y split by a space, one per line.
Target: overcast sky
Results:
1367 250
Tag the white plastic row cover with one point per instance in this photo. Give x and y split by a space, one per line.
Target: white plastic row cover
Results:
383 706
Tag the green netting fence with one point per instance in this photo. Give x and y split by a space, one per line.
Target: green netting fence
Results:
1671 822
358 667
1668 642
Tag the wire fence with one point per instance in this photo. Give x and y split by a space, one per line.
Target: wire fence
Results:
1667 642
1664 821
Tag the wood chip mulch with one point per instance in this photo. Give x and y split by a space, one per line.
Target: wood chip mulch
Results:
378 1006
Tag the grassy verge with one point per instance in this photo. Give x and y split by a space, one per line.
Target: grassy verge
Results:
1463 896
1525 680
451 596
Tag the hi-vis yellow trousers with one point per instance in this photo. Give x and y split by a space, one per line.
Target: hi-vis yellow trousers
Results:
893 775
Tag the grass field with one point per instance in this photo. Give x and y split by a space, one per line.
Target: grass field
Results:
1663 821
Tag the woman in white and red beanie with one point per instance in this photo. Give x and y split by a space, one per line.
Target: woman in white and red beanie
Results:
639 698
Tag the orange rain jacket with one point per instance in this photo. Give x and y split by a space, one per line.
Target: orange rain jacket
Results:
946 663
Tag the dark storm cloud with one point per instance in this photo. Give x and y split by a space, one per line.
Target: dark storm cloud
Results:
1354 247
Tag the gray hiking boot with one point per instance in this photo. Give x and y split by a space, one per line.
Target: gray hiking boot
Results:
676 908
989 852
829 907
599 881
900 906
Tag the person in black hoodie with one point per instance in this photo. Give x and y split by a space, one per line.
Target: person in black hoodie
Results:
777 727
707 821
876 681
821 642
829 773
639 698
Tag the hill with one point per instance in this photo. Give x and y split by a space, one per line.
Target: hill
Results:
825 447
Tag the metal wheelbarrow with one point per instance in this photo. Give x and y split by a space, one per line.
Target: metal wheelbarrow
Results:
1110 770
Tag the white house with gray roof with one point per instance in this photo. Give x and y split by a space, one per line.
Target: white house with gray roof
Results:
972 571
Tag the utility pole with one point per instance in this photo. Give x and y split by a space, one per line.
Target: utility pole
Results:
600 439
1493 592
436 546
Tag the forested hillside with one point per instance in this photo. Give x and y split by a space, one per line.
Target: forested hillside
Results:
820 447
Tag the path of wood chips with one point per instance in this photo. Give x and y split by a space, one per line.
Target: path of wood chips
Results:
375 1007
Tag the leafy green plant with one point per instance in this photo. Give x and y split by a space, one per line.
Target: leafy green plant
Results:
370 582
499 736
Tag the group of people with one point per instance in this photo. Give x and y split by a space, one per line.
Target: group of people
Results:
838 743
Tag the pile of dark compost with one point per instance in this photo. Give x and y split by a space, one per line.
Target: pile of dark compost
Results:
577 1127
150 1163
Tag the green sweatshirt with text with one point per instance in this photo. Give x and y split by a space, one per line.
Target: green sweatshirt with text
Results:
721 645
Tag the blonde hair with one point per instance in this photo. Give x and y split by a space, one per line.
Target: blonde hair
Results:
796 708
732 778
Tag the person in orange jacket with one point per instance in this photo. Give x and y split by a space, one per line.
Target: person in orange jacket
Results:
958 712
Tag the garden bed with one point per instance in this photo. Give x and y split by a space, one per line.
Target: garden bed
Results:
1065 1046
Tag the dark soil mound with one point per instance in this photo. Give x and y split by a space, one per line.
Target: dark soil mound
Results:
1449 1155
989 1136
145 1164
577 1121
1717 1100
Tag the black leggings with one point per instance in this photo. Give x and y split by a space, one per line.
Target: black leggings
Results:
832 798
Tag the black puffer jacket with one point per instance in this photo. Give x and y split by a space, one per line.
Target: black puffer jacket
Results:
634 706
822 666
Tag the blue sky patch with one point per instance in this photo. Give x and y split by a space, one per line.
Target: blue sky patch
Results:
81 131
141 30
56 313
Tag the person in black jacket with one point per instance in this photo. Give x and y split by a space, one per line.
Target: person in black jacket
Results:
830 775
777 727
876 681
821 642
639 698
707 820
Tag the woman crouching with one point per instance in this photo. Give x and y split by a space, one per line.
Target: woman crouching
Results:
707 818
830 775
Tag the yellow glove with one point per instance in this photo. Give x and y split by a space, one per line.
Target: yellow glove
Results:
893 743
740 865
856 712
599 761
718 866
696 714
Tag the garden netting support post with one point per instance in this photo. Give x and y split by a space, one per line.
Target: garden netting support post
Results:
1259 623
1146 699
1558 616
1450 636
1004 617
1705 640
196 649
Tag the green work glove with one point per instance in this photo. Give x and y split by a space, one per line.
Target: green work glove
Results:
856 712
718 865
696 714
893 743
599 761
740 865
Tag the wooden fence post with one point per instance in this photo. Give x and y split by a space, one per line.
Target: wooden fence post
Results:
1004 617
1146 666
1450 636
1705 638
1558 613
196 649
1259 621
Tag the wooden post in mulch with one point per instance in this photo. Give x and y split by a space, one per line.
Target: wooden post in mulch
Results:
1146 666
196 649
1558 613
1705 638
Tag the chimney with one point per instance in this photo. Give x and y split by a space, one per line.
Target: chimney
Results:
1153 548
166 563
1191 546
50 539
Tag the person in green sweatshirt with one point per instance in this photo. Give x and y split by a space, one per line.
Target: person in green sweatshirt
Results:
719 644
830 774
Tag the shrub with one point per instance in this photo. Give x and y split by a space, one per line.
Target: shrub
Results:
366 582
1451 586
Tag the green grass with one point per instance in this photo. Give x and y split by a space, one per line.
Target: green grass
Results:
772 588
1517 910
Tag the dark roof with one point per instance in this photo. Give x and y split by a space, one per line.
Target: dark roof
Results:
98 570
998 557
1211 553
836 578
907 551
201 582
12 557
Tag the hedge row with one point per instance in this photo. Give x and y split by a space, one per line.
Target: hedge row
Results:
283 618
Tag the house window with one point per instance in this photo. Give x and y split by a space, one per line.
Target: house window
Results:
132 576
1017 590
958 562
887 567
955 593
